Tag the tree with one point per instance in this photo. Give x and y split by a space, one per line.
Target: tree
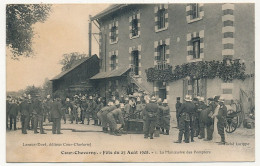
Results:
46 88
70 59
19 30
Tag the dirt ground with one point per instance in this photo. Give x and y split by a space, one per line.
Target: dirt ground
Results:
92 145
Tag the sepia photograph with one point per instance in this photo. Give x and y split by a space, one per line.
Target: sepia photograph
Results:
130 82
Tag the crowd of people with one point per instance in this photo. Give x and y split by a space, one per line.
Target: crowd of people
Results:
194 117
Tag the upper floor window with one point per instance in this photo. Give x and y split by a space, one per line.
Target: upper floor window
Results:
194 10
161 17
196 47
161 61
113 34
134 27
135 62
113 62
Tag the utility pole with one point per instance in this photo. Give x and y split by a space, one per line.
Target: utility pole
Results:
89 36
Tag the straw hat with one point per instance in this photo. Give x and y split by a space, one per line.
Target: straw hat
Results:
122 105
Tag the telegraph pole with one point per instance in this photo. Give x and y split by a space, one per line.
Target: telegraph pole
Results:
89 36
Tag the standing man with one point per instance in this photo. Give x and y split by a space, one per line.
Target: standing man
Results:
202 113
38 119
213 103
13 112
150 117
184 123
30 123
159 124
8 100
221 116
90 109
194 124
56 114
98 108
178 106
166 117
24 108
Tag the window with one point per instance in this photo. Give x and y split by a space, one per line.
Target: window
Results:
113 34
161 51
113 62
196 48
196 87
194 10
135 64
161 61
161 18
134 27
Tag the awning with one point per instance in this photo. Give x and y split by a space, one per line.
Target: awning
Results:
114 73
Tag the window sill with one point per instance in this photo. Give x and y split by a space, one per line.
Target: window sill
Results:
195 20
162 29
114 42
134 37
196 60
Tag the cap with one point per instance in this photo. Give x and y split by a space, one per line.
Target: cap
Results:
178 98
122 105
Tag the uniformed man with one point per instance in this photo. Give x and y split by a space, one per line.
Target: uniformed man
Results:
38 117
150 117
30 123
113 117
166 117
127 108
24 109
221 116
111 107
13 112
56 114
98 108
202 113
91 108
194 123
84 107
100 116
178 106
184 114
139 108
8 100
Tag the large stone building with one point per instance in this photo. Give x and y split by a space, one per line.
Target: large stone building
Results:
136 37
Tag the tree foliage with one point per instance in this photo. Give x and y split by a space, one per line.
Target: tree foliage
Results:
19 30
70 59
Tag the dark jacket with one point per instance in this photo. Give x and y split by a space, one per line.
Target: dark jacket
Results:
24 108
187 107
222 114
151 110
37 107
13 109
56 111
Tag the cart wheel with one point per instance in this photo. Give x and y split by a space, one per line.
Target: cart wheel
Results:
232 124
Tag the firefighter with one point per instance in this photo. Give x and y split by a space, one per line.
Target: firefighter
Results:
113 117
184 113
150 117
166 117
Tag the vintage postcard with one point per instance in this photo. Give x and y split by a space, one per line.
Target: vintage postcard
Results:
170 82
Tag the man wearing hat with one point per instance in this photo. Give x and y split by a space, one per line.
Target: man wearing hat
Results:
91 109
187 108
202 113
159 124
150 117
98 108
127 108
210 121
112 118
111 107
178 106
56 114
38 115
13 112
221 117
166 117
24 108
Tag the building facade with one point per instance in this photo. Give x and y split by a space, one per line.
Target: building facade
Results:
142 36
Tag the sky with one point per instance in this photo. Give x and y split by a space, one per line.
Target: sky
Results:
65 31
